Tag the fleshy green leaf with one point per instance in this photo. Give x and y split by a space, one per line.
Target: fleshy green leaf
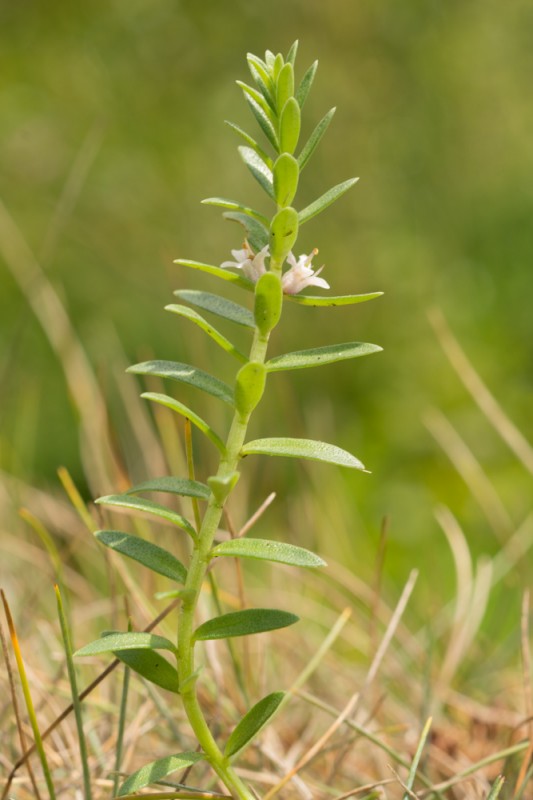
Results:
117 642
270 59
321 355
268 302
182 486
263 120
277 65
185 373
226 309
284 86
267 550
306 83
256 233
283 233
260 99
150 555
259 73
258 168
314 139
224 274
243 623
291 55
285 174
175 405
151 665
188 313
251 142
134 503
221 487
223 202
252 722
289 126
157 770
339 300
249 387
302 448
326 200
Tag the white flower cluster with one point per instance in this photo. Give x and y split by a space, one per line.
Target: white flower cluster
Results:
298 277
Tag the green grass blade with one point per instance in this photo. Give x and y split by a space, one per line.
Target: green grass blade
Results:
133 503
302 448
222 341
319 356
28 699
496 788
220 306
121 724
179 408
67 645
416 759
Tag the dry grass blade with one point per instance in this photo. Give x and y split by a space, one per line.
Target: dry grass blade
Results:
471 597
16 710
38 746
526 666
475 386
72 188
86 692
368 787
467 773
102 466
471 472
389 635
316 748
354 703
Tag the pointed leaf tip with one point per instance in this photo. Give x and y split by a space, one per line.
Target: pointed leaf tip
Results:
252 723
268 550
157 770
149 555
302 448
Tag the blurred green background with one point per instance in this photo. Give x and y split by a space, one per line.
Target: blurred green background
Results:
434 115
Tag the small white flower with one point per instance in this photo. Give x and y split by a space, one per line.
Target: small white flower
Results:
252 264
301 274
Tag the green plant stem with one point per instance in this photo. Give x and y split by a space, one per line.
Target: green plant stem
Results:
197 572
